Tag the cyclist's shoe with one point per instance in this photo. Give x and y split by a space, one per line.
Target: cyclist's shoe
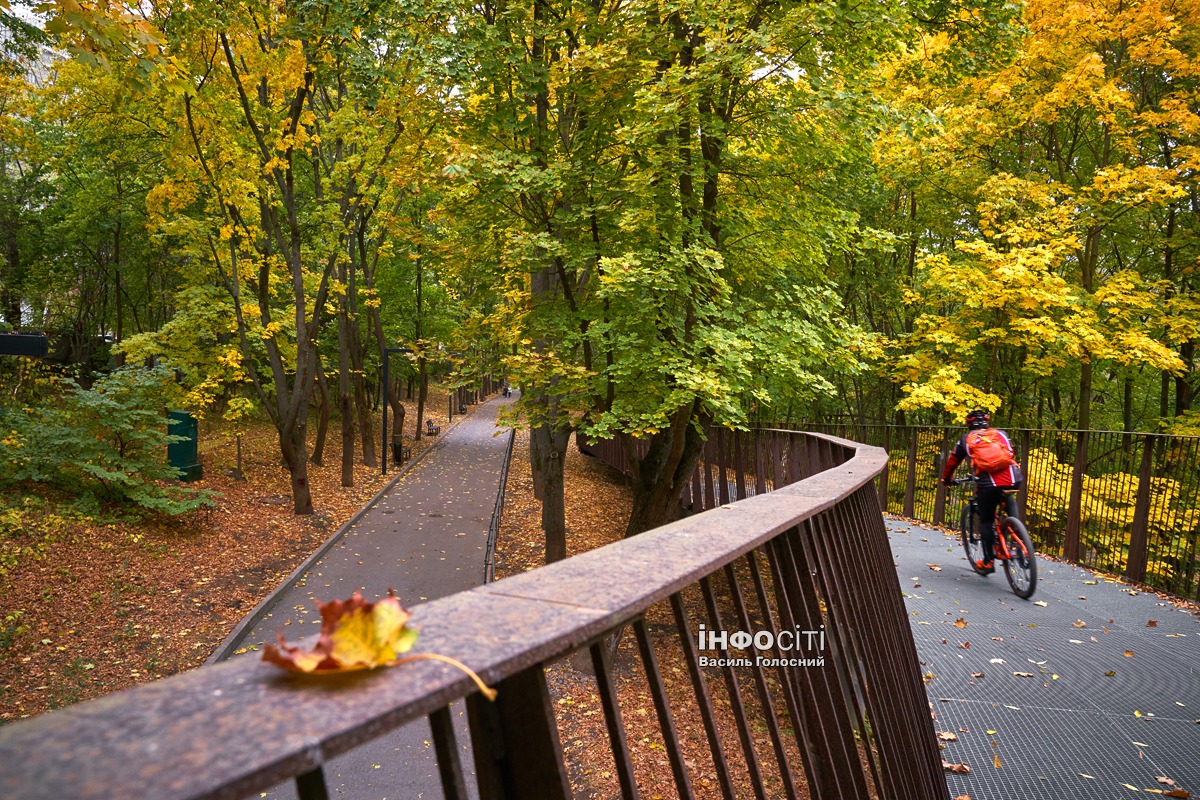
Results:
986 567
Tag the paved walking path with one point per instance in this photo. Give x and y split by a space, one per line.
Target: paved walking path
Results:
1113 701
425 538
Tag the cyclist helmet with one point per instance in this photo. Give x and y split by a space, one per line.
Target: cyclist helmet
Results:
978 419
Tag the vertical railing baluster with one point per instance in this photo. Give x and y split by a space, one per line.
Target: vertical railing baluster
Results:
900 677
710 493
515 738
883 476
910 476
939 496
760 461
602 665
735 695
723 461
855 618
841 771
720 765
777 476
446 747
760 683
740 441
311 785
662 707
776 623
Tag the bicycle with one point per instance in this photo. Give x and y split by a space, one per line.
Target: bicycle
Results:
1012 546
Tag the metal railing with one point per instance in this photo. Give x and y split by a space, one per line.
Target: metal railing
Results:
1123 503
806 558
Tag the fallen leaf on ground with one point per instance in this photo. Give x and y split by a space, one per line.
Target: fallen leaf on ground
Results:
1151 623
1079 623
996 760
934 567
1177 792
960 623
958 769
1129 654
947 736
976 674
1041 603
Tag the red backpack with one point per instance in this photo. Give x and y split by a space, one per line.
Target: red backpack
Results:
987 450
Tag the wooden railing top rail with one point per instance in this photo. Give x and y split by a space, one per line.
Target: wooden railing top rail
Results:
239 727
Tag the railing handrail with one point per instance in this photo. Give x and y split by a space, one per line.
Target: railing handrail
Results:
235 728
961 426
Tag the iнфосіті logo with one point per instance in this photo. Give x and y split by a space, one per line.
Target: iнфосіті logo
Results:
809 642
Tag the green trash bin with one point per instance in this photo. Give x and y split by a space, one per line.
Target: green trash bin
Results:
185 455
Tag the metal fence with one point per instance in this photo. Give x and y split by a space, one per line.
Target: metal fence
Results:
1123 503
810 557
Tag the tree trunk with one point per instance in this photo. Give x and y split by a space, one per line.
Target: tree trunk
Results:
358 357
1183 382
398 411
551 446
344 399
422 375
291 444
422 393
318 453
660 475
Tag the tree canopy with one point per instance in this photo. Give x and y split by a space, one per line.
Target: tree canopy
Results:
654 219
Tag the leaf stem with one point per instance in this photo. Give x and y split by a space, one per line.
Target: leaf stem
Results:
487 691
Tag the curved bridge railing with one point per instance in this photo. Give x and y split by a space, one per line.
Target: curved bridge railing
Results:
834 705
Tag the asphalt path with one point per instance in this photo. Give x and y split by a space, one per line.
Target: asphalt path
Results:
425 538
1089 689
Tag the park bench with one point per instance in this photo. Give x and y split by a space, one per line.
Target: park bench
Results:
431 429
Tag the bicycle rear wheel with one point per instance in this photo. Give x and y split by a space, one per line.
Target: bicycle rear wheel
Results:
972 544
1021 567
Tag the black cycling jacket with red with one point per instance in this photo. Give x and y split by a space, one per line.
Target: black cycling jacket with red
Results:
1009 476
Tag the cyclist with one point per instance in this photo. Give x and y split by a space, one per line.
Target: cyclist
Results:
996 472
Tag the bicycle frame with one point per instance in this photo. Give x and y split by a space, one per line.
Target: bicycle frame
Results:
1000 545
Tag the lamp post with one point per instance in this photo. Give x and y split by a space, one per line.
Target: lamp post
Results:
387 387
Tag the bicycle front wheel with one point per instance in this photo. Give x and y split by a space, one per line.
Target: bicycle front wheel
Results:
972 544
1021 566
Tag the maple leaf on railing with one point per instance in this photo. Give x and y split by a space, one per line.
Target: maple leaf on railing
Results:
357 634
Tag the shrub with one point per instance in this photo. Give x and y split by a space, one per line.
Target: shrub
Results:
109 440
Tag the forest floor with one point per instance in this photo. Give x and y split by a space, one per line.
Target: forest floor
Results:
91 603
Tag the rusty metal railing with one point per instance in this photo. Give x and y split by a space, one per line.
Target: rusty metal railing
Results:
843 716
